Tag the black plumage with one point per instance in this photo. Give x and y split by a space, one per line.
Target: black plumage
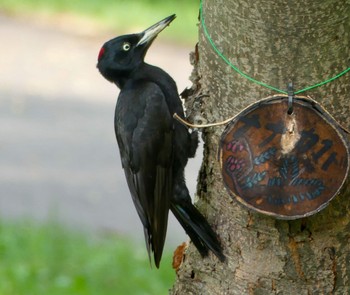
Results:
154 148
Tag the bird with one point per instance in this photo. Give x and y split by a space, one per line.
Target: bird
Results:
154 147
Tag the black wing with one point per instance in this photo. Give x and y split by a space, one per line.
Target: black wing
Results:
144 130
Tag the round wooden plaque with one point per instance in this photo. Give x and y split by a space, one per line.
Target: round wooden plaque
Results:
285 165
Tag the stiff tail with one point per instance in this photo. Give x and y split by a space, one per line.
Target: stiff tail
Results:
198 229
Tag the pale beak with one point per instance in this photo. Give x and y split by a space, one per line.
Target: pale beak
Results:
152 32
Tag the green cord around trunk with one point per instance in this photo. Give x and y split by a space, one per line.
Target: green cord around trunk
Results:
224 58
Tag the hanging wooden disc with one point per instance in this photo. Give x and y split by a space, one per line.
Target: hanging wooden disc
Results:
285 165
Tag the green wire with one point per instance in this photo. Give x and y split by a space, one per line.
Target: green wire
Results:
223 57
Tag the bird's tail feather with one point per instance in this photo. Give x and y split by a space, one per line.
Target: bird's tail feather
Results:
198 229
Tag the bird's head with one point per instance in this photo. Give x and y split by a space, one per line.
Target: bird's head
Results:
119 57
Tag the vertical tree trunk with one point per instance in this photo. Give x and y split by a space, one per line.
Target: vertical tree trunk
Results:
274 41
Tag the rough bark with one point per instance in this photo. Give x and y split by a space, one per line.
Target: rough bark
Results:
275 41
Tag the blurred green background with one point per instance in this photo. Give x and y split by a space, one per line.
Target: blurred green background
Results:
52 260
118 15
47 258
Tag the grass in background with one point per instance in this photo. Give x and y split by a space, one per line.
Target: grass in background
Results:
119 15
49 259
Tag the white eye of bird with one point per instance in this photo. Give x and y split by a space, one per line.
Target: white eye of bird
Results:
126 46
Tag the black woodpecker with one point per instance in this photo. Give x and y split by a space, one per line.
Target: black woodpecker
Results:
154 147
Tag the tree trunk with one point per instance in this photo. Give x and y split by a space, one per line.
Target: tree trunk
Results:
274 41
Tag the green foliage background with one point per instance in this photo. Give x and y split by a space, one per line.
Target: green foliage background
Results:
49 259
118 15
